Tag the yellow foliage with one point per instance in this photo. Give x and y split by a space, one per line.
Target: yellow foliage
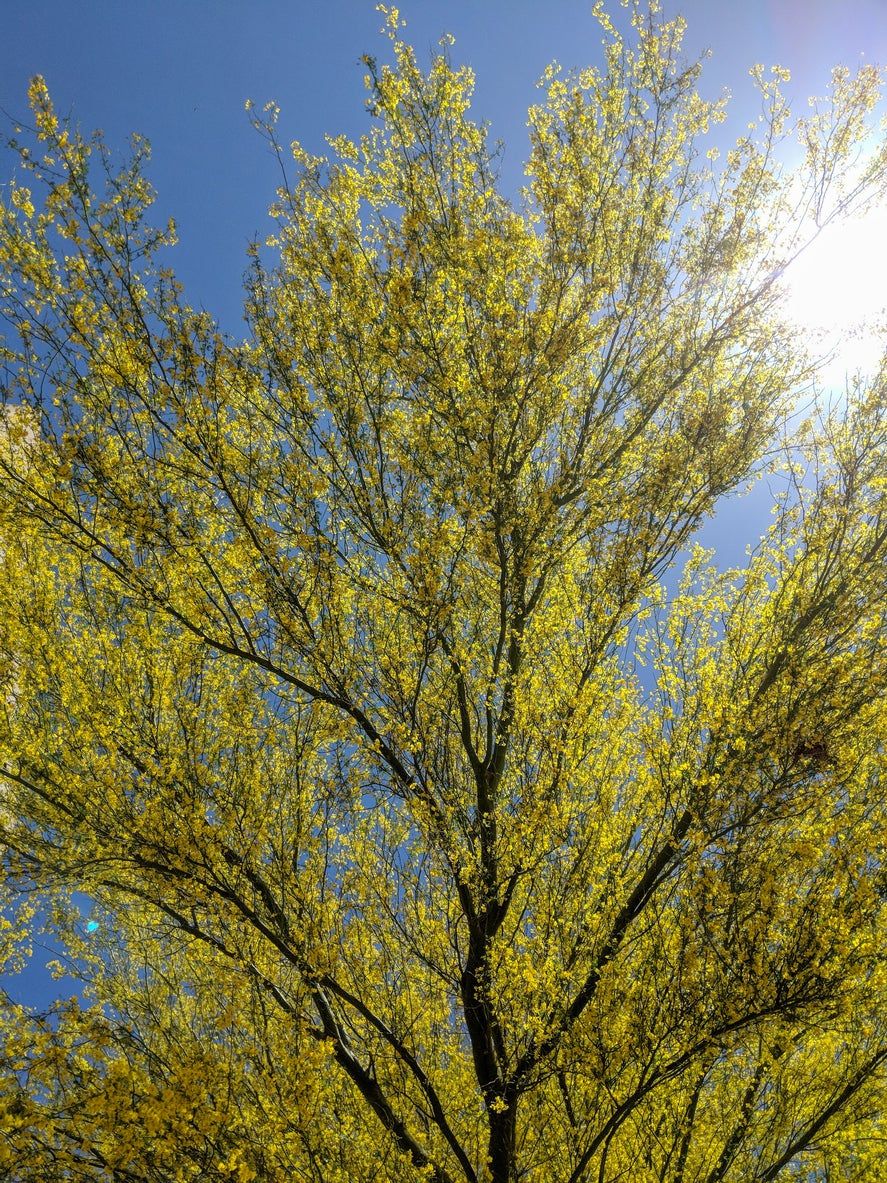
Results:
431 832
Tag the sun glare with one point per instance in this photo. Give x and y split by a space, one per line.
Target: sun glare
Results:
837 296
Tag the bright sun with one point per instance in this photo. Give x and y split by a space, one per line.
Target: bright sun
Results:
837 295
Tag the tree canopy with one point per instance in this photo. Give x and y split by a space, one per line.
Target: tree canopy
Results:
433 829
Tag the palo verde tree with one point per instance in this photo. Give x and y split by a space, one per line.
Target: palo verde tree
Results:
429 835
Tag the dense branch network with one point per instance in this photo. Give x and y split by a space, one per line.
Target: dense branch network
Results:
433 828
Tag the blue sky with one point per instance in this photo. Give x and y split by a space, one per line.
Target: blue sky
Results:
178 72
